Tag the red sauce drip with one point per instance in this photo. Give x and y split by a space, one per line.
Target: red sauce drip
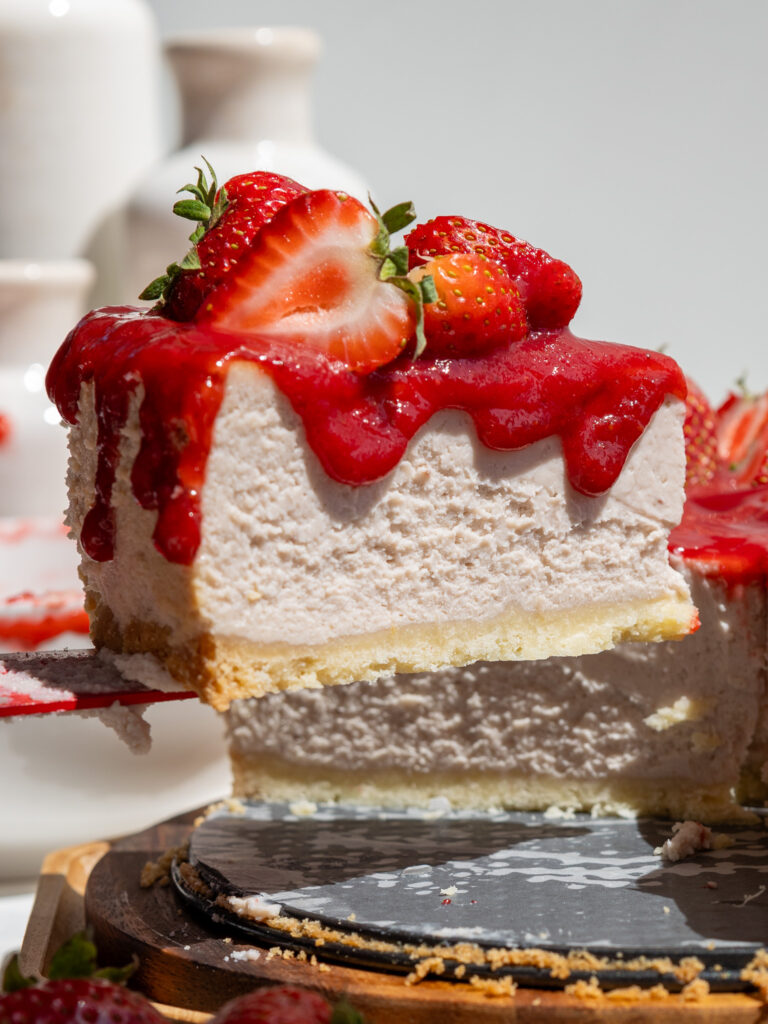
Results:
597 397
725 533
5 428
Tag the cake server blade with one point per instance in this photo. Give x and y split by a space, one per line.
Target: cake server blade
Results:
41 682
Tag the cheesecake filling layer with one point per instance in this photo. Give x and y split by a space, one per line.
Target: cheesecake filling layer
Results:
663 729
461 553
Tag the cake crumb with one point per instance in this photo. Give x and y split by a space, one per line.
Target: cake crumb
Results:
245 954
756 973
555 813
460 971
493 987
688 837
429 965
303 808
158 872
256 907
585 989
695 990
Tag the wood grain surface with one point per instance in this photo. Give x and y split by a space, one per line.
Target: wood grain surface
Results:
187 968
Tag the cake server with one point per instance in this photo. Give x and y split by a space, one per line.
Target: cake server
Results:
39 682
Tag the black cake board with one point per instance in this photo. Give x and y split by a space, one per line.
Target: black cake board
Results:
512 880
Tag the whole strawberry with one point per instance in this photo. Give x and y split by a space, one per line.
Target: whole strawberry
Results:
285 1004
77 1001
228 219
477 308
550 290
700 432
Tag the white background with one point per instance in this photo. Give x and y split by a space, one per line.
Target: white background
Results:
627 137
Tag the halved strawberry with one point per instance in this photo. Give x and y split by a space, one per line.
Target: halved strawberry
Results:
228 219
742 437
477 307
551 291
313 277
700 438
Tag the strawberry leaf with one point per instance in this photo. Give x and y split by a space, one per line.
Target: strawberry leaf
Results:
398 217
118 975
399 257
13 979
427 287
192 209
191 261
411 288
206 208
75 959
345 1013
155 288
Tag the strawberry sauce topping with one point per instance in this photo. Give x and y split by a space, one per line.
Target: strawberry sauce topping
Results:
597 397
725 532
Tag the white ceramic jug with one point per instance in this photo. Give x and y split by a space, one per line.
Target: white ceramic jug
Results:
79 123
246 100
39 304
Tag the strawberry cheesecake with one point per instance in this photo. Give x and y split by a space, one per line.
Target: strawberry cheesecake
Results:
678 730
321 459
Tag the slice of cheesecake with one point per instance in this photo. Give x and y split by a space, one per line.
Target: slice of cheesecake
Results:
647 729
268 495
658 729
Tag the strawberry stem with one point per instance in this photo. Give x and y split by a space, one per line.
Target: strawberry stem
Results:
206 208
393 263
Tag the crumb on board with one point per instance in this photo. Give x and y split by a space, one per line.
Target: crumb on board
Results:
493 987
158 872
756 973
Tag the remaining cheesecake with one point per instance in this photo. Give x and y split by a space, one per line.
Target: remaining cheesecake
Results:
284 488
665 729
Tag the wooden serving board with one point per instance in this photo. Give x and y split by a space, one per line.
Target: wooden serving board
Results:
188 969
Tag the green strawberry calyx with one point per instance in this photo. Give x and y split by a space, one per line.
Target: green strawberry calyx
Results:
206 206
77 958
393 263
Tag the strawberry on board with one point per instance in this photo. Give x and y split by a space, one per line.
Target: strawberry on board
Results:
286 1004
742 437
320 274
550 290
477 306
228 219
700 430
77 991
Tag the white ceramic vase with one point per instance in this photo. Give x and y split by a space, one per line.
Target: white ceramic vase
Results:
246 102
79 124
39 304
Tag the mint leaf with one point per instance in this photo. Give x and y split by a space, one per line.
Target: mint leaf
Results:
13 979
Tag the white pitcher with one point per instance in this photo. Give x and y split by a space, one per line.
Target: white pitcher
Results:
246 101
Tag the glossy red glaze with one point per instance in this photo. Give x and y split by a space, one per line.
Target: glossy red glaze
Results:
597 397
725 532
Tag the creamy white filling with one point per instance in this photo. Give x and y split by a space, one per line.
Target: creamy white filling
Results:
455 532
